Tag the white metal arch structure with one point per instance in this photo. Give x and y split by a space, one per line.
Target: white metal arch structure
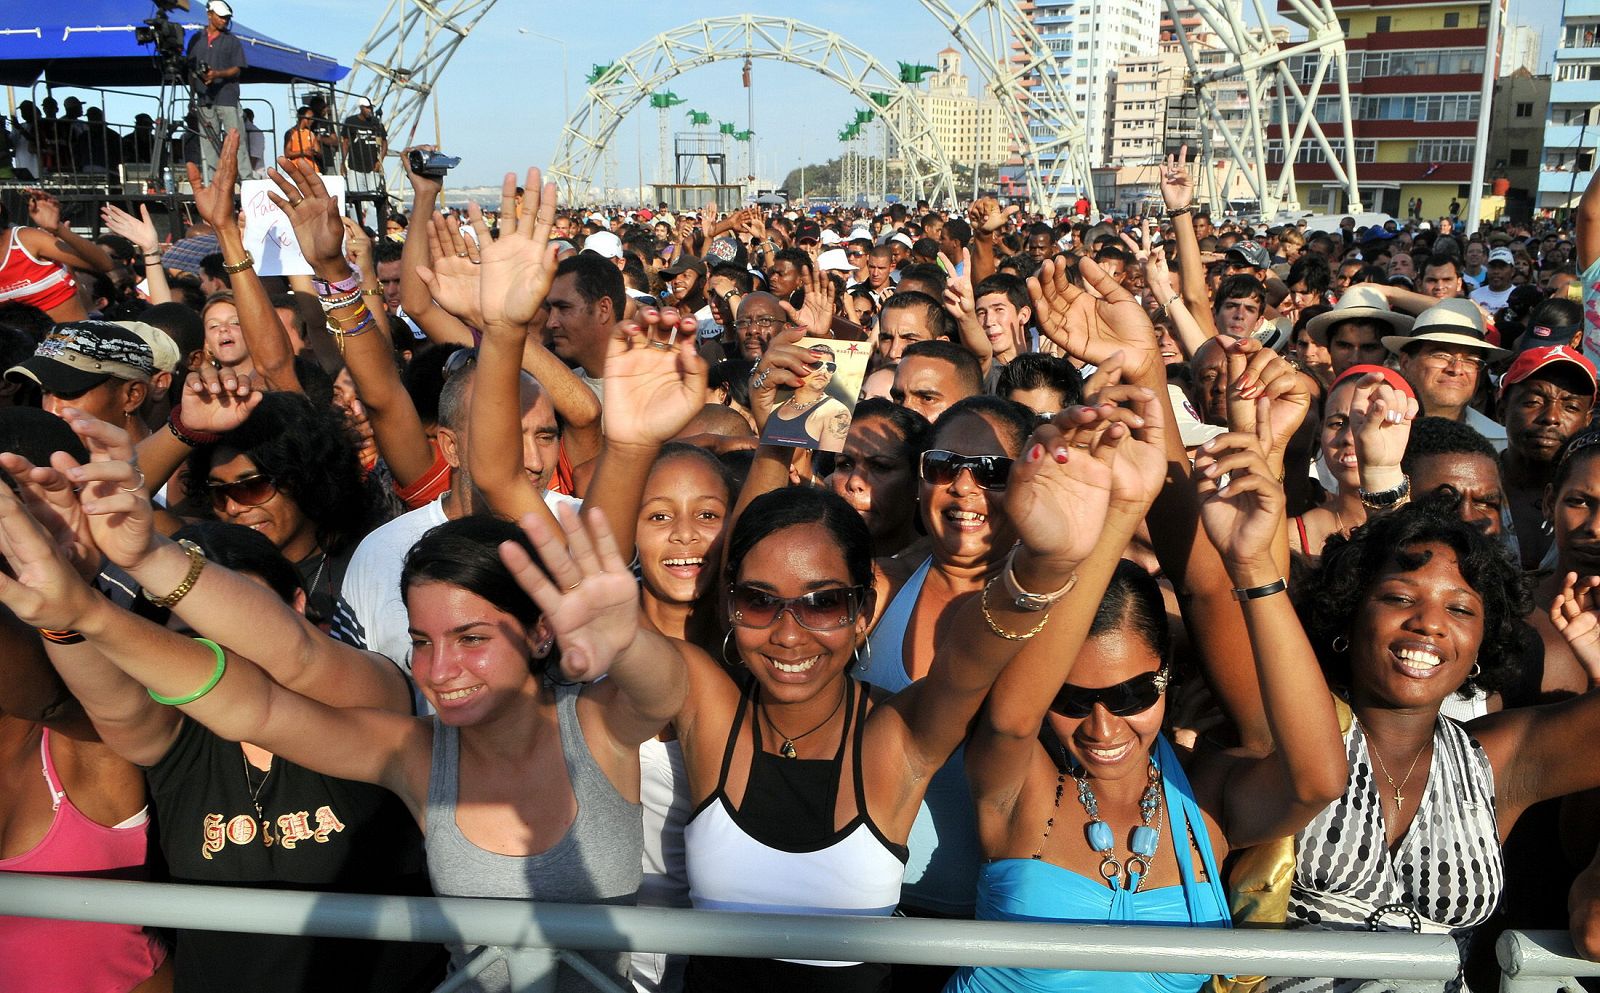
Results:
1019 68
1274 94
634 76
401 61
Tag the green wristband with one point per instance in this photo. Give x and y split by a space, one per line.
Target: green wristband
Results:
210 684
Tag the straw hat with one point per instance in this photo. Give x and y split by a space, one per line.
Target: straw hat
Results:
1359 301
1449 322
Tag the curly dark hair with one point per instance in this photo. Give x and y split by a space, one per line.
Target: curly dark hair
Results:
1332 594
310 454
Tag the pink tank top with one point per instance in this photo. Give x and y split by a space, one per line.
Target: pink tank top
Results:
26 279
38 954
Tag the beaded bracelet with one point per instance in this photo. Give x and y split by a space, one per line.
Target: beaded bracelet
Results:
194 439
335 303
210 684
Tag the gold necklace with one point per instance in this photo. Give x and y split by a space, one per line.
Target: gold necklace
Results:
1399 797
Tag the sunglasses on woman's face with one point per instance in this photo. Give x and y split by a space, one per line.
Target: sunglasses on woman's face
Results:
940 468
1132 696
251 491
819 610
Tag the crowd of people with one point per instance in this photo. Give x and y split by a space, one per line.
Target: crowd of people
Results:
1173 571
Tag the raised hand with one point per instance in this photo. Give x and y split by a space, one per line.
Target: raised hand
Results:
41 588
1241 499
783 365
454 277
1088 328
357 246
219 400
816 314
1142 456
1177 189
1576 614
115 500
1060 489
44 210
987 216
312 211
215 202
1254 372
518 267
592 608
139 230
1380 423
655 379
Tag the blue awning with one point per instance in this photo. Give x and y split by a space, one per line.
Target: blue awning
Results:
91 43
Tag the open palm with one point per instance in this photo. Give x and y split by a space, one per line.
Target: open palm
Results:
651 392
1059 507
1090 329
519 266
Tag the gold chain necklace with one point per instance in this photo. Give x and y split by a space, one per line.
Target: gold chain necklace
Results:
1399 796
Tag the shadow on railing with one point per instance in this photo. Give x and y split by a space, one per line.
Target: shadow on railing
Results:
531 936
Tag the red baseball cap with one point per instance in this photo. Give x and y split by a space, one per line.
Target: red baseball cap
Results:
1532 360
1390 376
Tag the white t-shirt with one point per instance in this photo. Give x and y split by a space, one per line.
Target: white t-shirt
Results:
1492 299
371 613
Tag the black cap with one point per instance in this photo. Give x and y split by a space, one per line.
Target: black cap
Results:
78 356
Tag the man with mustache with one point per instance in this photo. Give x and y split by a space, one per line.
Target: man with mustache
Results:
1546 397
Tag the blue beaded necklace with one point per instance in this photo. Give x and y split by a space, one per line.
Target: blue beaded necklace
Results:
1144 840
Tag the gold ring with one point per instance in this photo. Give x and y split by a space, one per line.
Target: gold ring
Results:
296 203
574 586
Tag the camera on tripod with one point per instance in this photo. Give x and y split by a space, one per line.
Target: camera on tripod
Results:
166 36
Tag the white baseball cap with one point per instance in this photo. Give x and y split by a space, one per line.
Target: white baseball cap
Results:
834 260
830 236
220 8
604 244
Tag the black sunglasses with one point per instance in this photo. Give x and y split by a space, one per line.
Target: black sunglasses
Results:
251 491
819 610
940 468
1131 696
459 360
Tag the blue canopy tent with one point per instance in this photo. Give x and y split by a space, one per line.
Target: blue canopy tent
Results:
91 43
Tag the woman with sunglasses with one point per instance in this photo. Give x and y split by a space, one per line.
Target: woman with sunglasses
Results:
876 473
1086 811
811 417
290 471
806 781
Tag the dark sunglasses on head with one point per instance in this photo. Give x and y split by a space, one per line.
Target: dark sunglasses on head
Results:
459 360
941 468
251 491
1132 696
819 610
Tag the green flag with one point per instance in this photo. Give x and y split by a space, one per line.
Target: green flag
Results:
882 99
845 135
864 116
597 73
913 73
698 117
661 101
742 135
726 128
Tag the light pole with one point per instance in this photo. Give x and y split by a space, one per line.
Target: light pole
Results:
566 104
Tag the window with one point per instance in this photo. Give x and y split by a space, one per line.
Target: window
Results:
1383 23
1441 150
1452 20
1344 25
1519 158
1524 109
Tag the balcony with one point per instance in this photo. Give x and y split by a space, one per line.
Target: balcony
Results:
1579 53
1584 91
1571 136
1582 8
1560 182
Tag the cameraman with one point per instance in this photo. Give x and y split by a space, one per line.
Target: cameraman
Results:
216 88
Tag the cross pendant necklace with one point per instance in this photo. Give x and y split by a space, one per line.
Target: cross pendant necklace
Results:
1399 797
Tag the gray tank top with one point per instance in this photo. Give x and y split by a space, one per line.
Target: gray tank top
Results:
596 861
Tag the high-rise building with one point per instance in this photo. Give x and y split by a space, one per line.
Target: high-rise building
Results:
972 130
1416 70
1572 128
1516 131
1087 38
1523 48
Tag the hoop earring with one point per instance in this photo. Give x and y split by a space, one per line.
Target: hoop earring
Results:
1474 672
1340 644
726 640
861 657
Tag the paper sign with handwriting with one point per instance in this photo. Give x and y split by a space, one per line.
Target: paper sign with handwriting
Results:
268 235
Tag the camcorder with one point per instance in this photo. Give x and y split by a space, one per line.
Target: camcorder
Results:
166 36
433 165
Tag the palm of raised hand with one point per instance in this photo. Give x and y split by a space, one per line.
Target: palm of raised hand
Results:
45 213
595 623
651 394
1237 522
515 279
457 287
216 414
1061 509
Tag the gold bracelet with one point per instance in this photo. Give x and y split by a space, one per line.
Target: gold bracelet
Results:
239 266
983 601
372 293
197 563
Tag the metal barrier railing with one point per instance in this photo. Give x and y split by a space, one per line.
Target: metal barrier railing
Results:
1541 962
530 936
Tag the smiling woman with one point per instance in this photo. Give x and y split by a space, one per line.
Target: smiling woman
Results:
1410 609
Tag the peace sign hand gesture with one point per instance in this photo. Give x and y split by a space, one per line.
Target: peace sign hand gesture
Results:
592 607
1177 189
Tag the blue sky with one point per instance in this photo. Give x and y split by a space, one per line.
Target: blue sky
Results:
501 97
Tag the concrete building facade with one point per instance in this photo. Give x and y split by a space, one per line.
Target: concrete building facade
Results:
1572 123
